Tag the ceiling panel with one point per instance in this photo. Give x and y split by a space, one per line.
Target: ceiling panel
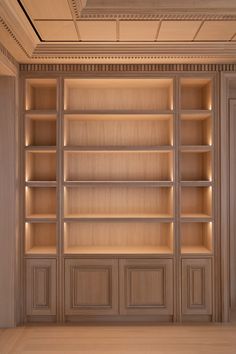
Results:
56 30
217 30
47 9
97 30
178 30
138 30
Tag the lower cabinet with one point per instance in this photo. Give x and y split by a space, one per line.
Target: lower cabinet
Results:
118 287
91 286
146 287
41 287
196 287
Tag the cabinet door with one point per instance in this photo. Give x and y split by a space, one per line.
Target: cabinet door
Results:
196 287
40 287
91 287
146 286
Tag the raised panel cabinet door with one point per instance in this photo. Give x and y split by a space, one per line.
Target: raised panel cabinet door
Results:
91 287
146 286
40 287
196 287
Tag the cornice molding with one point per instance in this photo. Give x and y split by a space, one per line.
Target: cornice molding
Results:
5 26
121 50
156 14
92 69
8 56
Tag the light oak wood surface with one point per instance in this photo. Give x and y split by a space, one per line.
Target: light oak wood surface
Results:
122 339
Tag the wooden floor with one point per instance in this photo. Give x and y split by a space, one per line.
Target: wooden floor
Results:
111 339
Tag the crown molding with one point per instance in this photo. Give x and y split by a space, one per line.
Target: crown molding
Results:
9 65
92 69
160 14
136 50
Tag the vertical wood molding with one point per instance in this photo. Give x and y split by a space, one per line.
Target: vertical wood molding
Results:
225 197
232 156
8 200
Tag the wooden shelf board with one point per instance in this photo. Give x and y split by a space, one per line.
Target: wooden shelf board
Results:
196 115
33 148
42 216
118 250
196 148
195 215
122 217
160 149
195 112
167 115
196 183
118 183
118 112
42 250
40 220
195 250
41 184
42 112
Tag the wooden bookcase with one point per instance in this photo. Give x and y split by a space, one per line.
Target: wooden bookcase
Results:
119 192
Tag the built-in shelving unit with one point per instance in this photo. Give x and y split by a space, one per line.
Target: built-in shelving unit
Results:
196 167
121 168
40 121
118 165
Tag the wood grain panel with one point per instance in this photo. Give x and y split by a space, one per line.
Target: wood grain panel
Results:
196 237
41 94
40 287
196 201
125 237
178 30
196 94
118 130
40 238
40 202
40 166
40 131
97 30
196 129
91 287
57 30
118 94
138 30
216 31
196 287
44 9
196 166
146 286
118 166
118 201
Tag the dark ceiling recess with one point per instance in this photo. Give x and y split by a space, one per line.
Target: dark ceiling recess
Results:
30 21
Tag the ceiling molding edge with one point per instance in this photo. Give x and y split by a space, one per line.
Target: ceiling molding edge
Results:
136 50
123 68
155 14
9 31
8 56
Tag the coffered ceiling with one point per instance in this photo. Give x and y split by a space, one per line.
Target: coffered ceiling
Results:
119 31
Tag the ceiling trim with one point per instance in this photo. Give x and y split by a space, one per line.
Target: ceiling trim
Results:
13 36
160 14
27 48
91 69
5 53
135 50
